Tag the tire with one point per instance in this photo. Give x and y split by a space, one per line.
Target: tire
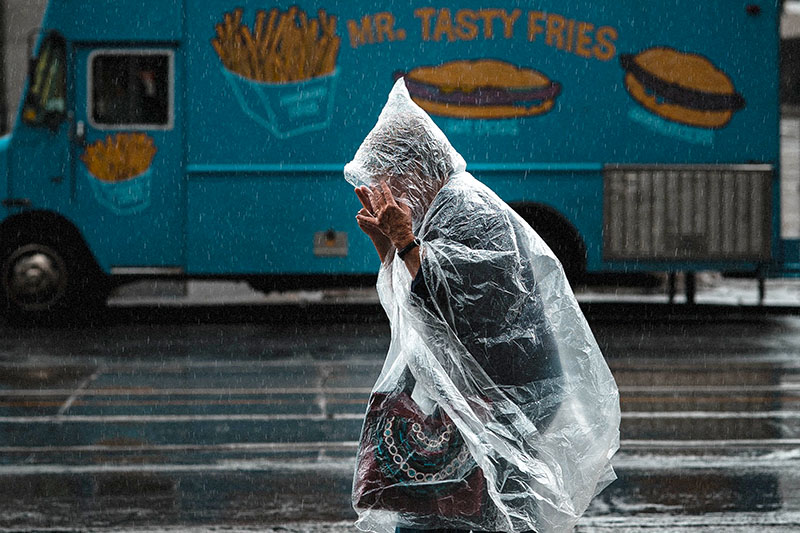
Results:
560 236
45 280
567 251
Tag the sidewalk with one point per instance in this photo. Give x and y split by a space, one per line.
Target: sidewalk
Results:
712 289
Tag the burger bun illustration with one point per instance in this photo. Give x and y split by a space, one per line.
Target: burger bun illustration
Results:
682 87
481 89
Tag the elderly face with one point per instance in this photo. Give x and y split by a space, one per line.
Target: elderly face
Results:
414 191
400 187
413 164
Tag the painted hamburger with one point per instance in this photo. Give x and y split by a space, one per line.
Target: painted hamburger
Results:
481 89
681 87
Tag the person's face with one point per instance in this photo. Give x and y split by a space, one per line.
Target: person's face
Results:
398 187
408 190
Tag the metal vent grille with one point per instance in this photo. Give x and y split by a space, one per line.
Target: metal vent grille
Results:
698 213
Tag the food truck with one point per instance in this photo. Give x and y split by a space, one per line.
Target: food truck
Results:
207 138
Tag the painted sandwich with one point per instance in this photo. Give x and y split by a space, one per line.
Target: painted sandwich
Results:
481 89
682 87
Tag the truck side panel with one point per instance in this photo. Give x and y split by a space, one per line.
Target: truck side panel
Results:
539 98
118 21
594 119
263 177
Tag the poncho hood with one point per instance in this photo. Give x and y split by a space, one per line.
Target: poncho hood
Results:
408 150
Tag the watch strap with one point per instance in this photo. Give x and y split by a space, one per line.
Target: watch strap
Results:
407 248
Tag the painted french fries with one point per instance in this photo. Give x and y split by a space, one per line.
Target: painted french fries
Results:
119 157
282 47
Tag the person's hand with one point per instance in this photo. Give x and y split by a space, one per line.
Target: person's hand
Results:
391 218
379 240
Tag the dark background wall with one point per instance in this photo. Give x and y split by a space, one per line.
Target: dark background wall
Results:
19 19
790 72
3 102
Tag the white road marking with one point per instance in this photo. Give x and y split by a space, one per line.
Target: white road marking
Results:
314 446
77 392
708 444
268 465
783 463
733 522
267 447
150 419
103 419
714 415
172 366
148 391
278 391
783 521
717 389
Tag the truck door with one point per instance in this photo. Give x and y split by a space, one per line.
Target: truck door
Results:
128 156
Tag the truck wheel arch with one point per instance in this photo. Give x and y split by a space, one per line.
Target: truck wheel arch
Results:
48 246
50 225
559 233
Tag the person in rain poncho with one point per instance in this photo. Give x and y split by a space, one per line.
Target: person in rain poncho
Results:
495 410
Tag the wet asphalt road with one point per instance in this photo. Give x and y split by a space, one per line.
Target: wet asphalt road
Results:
167 422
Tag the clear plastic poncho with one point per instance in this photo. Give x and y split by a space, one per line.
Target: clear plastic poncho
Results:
489 343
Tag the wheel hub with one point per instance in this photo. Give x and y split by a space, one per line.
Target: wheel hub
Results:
35 277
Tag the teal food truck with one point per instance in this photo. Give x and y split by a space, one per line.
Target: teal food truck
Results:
206 138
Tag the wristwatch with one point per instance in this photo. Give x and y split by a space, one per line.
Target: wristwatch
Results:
407 248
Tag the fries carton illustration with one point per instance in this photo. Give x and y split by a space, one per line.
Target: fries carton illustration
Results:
119 171
283 72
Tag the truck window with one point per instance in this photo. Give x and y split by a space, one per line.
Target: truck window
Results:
45 103
130 89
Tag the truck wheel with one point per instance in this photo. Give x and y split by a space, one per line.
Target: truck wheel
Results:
45 281
562 238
